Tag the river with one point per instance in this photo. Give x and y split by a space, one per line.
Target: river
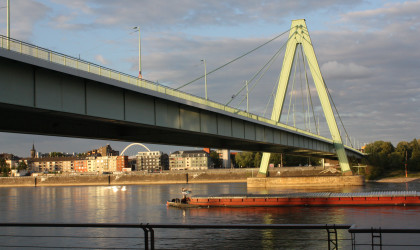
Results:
146 204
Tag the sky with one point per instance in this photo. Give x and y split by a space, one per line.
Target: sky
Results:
367 51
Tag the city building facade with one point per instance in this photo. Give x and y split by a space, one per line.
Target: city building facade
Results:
189 160
152 161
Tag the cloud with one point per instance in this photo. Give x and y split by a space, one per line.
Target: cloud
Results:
192 13
101 60
348 71
389 15
24 16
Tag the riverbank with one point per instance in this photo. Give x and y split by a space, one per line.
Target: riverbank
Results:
398 179
166 177
122 179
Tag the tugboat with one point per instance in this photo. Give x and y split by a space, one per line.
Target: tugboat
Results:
182 203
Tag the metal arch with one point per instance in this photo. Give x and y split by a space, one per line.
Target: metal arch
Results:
132 144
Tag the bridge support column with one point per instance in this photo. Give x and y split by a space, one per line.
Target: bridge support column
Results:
226 158
299 35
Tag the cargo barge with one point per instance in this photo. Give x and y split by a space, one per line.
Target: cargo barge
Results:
386 198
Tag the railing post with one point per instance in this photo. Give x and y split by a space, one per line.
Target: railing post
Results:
353 241
146 237
152 238
332 241
374 236
146 228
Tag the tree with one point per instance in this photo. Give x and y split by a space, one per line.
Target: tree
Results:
245 159
257 159
276 159
22 166
214 157
414 163
4 168
56 154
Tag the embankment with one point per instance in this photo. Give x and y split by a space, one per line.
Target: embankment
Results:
356 180
167 177
129 179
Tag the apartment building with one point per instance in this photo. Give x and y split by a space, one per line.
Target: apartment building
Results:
189 160
152 161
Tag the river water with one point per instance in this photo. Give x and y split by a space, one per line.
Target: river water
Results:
146 204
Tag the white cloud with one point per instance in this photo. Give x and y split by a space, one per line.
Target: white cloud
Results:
346 71
24 16
101 59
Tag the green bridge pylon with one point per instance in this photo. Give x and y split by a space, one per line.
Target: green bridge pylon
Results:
299 35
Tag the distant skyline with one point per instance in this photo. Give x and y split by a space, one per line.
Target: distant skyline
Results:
367 50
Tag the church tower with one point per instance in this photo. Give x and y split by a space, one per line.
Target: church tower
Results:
33 151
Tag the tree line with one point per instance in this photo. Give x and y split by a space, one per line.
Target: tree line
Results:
253 160
383 158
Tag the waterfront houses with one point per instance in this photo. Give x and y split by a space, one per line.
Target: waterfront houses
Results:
189 160
152 161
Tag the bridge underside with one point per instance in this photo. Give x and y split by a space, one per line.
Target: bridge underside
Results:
18 119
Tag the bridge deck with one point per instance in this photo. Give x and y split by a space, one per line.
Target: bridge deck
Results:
86 75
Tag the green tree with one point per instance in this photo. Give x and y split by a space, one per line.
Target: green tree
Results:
276 159
22 166
257 159
381 158
56 154
214 157
245 159
414 163
4 168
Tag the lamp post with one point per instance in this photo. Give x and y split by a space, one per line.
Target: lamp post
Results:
205 77
137 28
8 24
247 102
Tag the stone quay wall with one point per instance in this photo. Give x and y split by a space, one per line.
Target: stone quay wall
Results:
356 180
128 179
278 176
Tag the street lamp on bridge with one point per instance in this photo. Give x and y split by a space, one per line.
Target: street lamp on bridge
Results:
7 22
137 28
205 78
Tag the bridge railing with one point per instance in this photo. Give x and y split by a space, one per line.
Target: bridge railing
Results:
69 61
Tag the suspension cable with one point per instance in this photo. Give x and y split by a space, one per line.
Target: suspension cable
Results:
247 53
291 95
332 100
301 90
270 62
271 96
309 93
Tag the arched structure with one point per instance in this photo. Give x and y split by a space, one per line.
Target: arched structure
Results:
133 144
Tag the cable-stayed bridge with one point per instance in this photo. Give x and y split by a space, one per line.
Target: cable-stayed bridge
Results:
45 92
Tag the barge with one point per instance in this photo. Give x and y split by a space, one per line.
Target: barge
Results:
385 198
